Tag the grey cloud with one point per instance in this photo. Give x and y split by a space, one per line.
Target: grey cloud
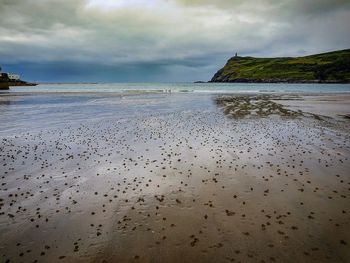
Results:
177 37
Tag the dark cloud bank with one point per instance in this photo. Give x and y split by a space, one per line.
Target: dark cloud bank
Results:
159 40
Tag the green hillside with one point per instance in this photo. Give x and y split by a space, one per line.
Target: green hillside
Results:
331 67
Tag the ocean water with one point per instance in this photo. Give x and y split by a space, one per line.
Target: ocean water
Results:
53 106
187 87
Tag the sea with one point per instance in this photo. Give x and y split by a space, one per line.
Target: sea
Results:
188 88
50 106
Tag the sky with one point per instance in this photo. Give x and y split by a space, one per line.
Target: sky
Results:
160 40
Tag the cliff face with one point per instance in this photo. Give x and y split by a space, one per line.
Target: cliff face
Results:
4 86
4 81
332 67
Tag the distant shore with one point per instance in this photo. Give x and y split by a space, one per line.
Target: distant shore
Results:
281 81
7 85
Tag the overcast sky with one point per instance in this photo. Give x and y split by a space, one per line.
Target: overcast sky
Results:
160 40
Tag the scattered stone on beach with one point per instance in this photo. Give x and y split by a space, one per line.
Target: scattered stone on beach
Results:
190 183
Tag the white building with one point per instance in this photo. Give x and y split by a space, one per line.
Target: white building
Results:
13 76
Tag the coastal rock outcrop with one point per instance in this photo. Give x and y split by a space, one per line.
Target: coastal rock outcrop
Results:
331 67
6 83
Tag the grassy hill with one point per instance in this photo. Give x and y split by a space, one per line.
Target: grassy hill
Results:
331 67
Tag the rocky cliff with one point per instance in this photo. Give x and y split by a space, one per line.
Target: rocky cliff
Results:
331 67
5 82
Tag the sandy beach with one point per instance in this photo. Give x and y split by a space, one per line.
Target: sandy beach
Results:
177 178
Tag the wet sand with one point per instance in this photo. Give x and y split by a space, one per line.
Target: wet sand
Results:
193 185
335 106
